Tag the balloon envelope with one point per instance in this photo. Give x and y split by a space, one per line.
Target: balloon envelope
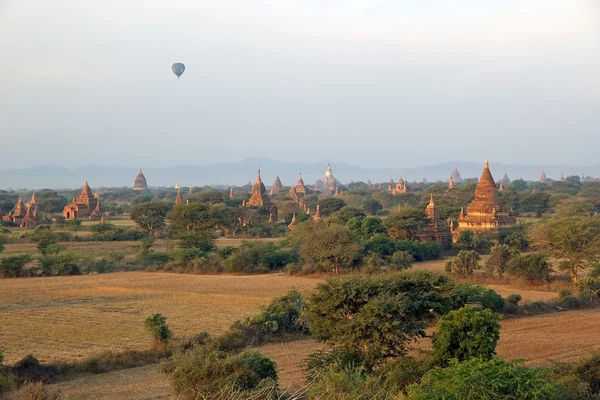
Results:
178 69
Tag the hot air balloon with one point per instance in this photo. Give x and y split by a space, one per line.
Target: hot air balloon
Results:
178 69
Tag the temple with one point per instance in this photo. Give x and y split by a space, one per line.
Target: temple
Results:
318 217
399 188
277 186
455 176
178 198
259 198
84 205
435 230
328 182
505 180
562 177
484 214
24 215
543 177
140 184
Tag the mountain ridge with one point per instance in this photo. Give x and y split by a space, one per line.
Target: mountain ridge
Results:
242 172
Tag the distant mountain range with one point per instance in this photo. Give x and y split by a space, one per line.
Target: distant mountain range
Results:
239 173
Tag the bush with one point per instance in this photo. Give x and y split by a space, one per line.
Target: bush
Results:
283 315
401 260
491 379
206 372
589 288
497 263
155 258
466 333
12 267
517 241
36 391
562 293
259 257
514 298
465 263
352 383
157 326
534 267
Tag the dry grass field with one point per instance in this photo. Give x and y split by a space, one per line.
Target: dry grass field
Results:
69 318
537 340
100 249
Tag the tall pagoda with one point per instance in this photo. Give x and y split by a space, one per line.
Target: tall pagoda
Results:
485 213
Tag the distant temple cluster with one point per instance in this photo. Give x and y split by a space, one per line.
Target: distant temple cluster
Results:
483 215
24 215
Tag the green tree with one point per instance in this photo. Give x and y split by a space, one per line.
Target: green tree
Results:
518 185
466 333
405 223
150 217
377 317
401 260
331 248
575 241
348 213
536 202
468 240
143 198
534 267
477 379
371 206
330 205
465 263
193 225
157 326
497 263
571 207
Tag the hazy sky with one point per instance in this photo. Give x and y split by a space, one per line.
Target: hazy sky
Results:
369 82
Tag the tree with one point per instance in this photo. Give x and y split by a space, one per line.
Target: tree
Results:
534 267
405 223
371 206
573 240
465 263
377 317
468 240
466 333
157 326
518 185
331 248
517 241
571 207
536 202
478 379
3 241
150 217
13 266
143 198
498 261
348 213
330 205
193 224
401 260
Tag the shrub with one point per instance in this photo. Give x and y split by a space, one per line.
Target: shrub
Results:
514 298
497 263
12 267
517 241
534 267
491 379
157 326
352 383
581 377
401 260
465 263
283 315
589 288
155 258
466 333
206 372
36 391
562 293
